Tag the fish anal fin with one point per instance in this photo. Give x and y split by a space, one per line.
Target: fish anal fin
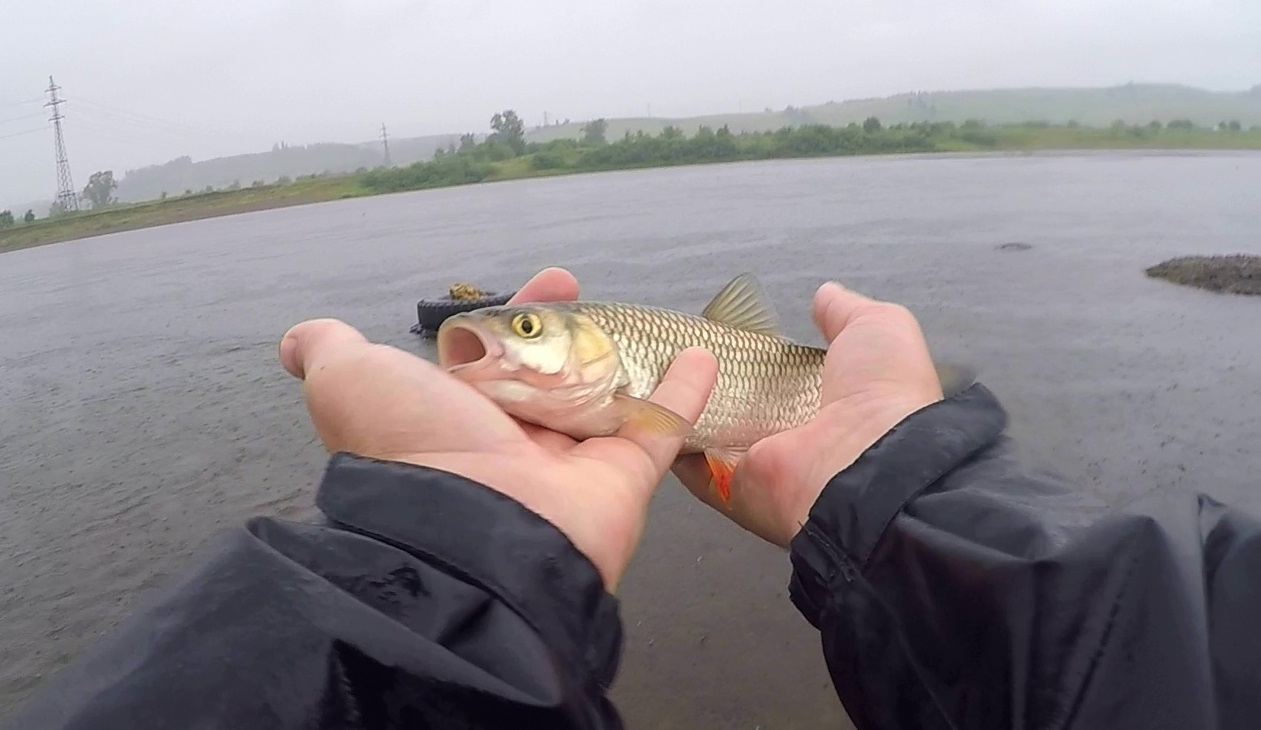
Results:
722 467
743 304
651 417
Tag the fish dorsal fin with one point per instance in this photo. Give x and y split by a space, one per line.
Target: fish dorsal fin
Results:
744 305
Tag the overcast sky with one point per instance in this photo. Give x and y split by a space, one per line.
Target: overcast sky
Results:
148 80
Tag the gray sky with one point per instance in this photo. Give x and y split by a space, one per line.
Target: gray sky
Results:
149 80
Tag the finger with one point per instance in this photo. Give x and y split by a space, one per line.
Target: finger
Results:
380 401
305 343
685 390
835 307
553 284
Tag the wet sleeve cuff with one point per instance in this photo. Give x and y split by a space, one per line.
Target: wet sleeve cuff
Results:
487 539
858 504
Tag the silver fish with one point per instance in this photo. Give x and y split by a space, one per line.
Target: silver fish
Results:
586 368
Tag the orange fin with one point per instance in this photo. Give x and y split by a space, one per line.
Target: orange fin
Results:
722 467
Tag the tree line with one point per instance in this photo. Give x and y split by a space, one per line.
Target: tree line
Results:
471 161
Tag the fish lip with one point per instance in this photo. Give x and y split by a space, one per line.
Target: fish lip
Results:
455 348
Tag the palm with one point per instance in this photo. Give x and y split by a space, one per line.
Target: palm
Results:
601 508
876 372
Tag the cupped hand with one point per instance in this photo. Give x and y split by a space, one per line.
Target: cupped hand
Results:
381 402
877 372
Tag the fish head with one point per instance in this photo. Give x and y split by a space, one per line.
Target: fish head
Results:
546 364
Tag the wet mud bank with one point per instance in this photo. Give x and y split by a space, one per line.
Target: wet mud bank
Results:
1233 274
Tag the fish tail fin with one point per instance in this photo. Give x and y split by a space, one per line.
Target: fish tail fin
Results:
722 467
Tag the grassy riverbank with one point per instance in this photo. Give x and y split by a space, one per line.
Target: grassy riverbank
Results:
500 158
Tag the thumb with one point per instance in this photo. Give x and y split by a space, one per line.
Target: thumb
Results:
308 345
836 307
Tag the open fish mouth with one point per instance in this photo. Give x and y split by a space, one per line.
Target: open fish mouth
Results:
463 347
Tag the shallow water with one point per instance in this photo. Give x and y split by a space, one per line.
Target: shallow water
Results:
142 408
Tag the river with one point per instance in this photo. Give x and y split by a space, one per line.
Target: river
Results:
142 407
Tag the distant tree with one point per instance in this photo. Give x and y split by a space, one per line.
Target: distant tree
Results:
593 132
509 129
871 125
6 219
162 196
29 217
236 185
1181 124
1234 125
100 189
670 132
468 142
1155 125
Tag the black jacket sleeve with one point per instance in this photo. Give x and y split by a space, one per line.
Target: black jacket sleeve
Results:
427 602
954 589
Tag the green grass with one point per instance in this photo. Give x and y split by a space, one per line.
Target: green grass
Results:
176 209
494 160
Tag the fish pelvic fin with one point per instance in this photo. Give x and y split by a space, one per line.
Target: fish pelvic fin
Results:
743 304
722 467
657 420
954 378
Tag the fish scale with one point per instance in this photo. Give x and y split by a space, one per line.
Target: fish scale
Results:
551 366
765 384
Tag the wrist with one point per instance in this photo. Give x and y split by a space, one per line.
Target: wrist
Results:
847 431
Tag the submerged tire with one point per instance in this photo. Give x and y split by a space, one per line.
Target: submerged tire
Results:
431 313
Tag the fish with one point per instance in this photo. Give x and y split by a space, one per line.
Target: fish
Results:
586 368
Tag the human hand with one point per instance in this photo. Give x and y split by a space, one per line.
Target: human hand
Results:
877 372
381 402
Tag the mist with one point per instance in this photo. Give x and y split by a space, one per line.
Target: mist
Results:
148 81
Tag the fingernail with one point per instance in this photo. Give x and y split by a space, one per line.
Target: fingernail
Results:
833 284
289 355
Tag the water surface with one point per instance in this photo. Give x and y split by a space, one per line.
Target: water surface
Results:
142 407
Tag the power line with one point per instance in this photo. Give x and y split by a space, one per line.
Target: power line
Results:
23 102
108 110
66 197
18 119
19 134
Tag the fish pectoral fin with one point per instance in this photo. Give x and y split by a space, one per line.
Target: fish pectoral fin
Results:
722 467
744 305
652 417
954 378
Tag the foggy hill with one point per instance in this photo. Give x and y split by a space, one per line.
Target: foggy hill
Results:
183 173
1131 103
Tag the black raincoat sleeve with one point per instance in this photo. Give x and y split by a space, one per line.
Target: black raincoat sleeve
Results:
428 602
955 589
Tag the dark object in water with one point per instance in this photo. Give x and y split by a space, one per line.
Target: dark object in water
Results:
1233 274
430 313
1014 246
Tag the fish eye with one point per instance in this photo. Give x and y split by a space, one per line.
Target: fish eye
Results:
527 325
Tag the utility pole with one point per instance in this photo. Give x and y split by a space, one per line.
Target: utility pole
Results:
385 143
67 198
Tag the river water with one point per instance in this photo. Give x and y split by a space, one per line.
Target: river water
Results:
142 407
